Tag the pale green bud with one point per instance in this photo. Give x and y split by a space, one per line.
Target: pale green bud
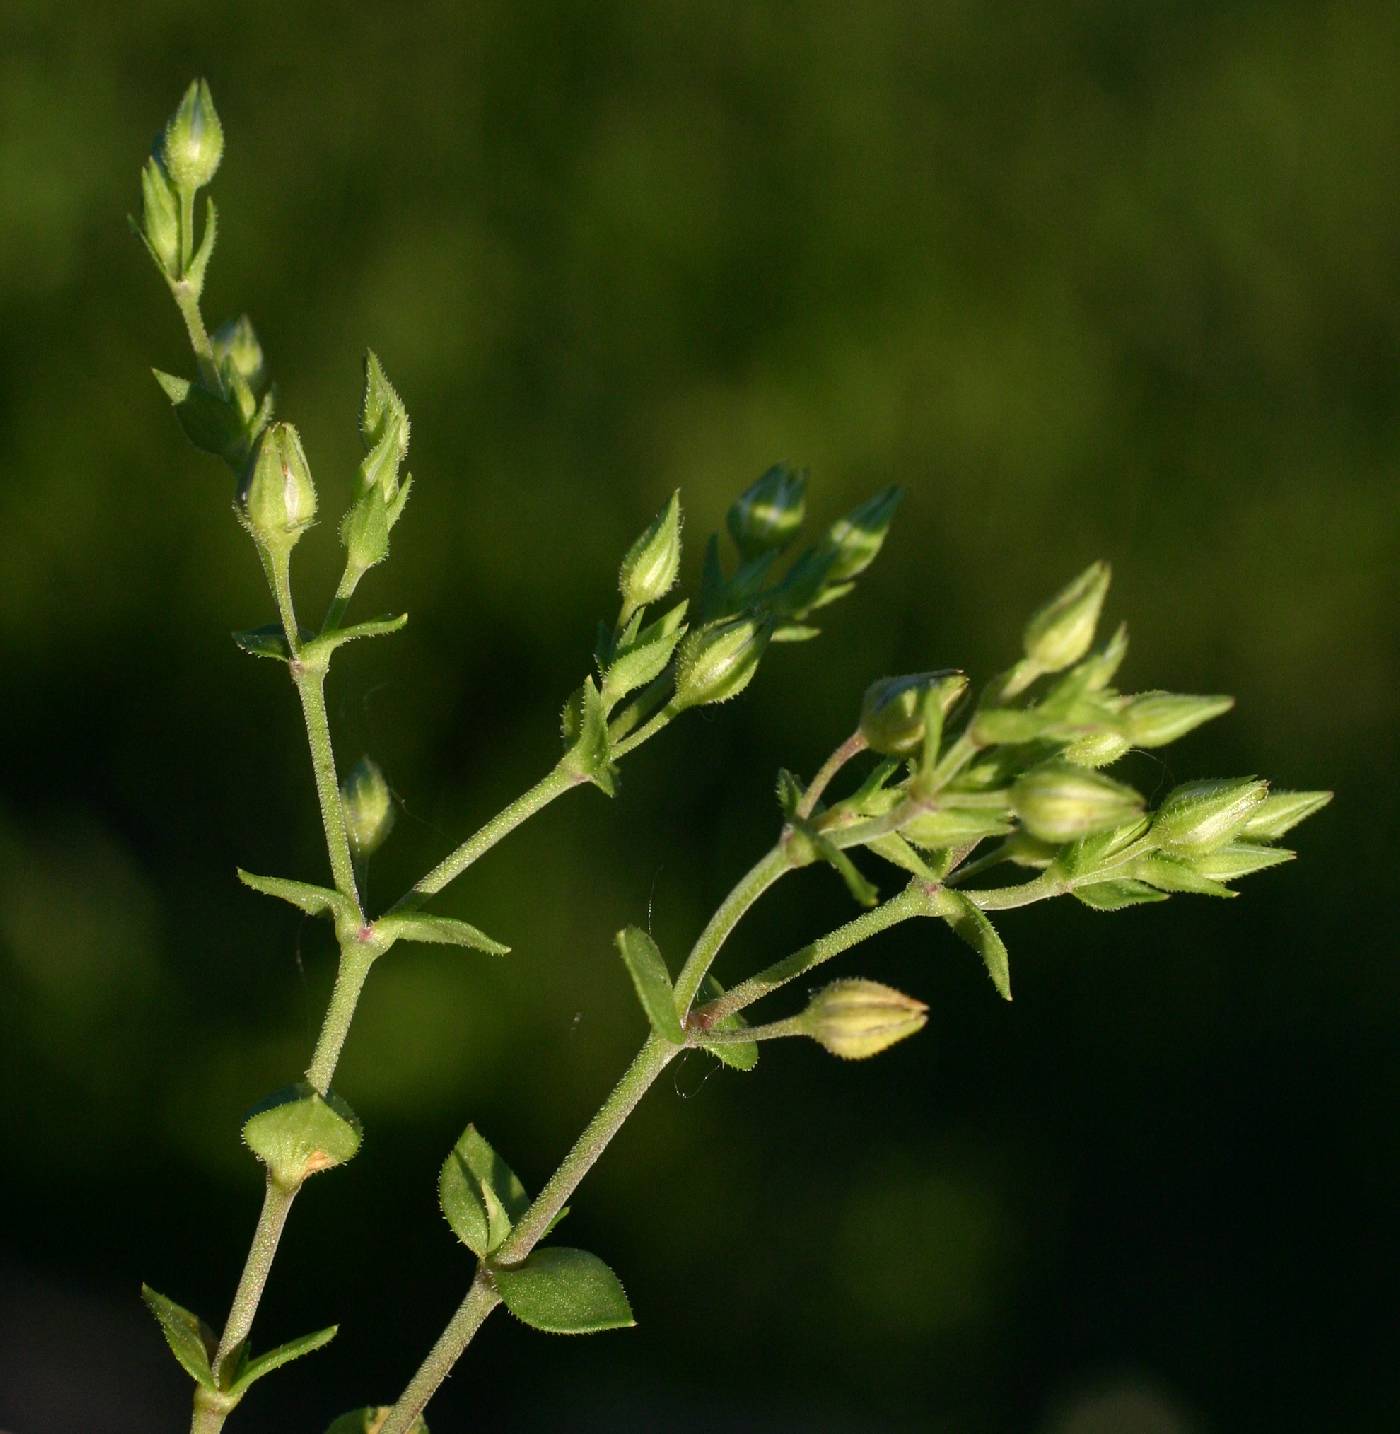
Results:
717 661
1061 632
1207 814
892 711
194 139
368 805
279 503
766 515
1152 719
956 826
1280 812
855 1019
1060 802
384 426
236 349
651 566
856 539
160 216
1101 749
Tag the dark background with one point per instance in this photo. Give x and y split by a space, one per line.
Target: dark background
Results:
1089 279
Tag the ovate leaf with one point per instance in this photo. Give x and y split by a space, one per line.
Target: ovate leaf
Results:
563 1291
297 1132
479 1194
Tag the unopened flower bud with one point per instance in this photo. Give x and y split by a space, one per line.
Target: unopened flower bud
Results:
1152 719
766 515
368 806
1060 802
1280 812
1101 749
717 661
236 348
194 139
857 538
280 499
892 712
855 1019
160 216
1060 633
651 566
1207 814
1239 858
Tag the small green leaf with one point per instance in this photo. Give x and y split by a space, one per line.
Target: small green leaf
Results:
1117 895
738 1055
269 641
296 1132
635 666
276 1358
562 1291
480 1194
314 900
370 1420
191 1341
207 420
971 924
438 931
790 792
862 891
898 852
327 642
647 969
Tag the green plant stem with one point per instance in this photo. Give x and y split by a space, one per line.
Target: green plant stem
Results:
311 689
188 305
186 230
355 962
650 1061
646 731
853 746
558 780
914 900
772 865
1006 898
277 1201
642 705
349 581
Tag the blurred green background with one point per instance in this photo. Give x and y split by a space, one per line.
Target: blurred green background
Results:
1089 279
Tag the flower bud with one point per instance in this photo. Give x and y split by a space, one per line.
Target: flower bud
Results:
1207 814
649 570
1152 719
717 661
1060 633
1281 812
856 539
236 349
160 216
766 515
1060 802
1101 749
855 1018
194 139
368 806
279 501
1239 858
892 711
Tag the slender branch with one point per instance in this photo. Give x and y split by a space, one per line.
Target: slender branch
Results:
554 783
311 689
772 865
188 305
853 746
277 1201
349 581
650 1061
355 962
646 731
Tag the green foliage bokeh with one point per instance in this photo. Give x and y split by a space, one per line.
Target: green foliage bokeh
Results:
1088 280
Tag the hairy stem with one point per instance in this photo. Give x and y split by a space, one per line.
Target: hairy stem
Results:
853 746
350 976
188 305
772 865
311 689
481 1299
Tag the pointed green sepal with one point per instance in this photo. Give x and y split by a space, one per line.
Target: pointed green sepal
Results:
211 423
314 900
562 1291
191 1341
1240 858
480 1194
1169 872
636 665
254 1369
970 922
437 931
1117 895
297 1132
1280 812
652 981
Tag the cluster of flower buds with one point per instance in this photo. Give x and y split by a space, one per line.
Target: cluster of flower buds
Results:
182 162
381 494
